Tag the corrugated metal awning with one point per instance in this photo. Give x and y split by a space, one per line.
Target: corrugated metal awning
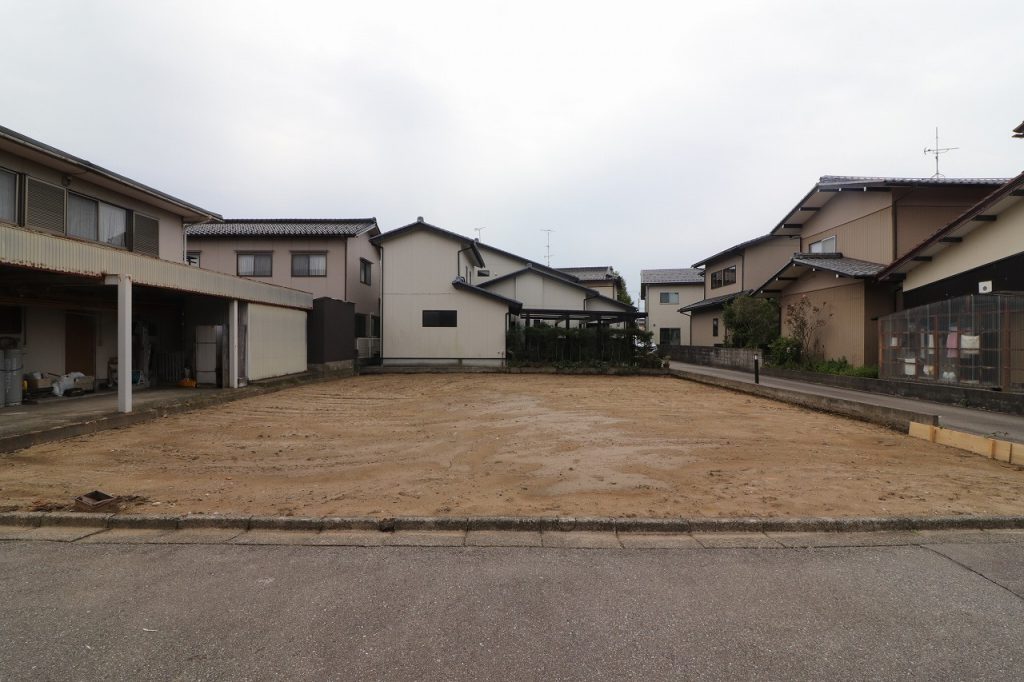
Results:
55 253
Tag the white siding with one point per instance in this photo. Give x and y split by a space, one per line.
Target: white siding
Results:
276 341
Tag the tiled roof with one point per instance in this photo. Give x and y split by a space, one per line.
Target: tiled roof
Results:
714 302
826 181
672 276
283 227
835 262
589 274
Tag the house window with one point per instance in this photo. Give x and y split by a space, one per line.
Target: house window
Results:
723 277
669 297
365 269
360 325
714 326
96 221
8 197
669 337
309 265
255 264
440 318
374 326
824 246
192 258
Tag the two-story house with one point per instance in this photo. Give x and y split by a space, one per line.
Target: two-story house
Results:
663 291
93 279
731 273
601 278
450 299
847 230
329 258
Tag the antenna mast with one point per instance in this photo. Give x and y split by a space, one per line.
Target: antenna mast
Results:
549 247
936 152
478 231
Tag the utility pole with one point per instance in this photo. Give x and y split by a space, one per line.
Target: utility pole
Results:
548 247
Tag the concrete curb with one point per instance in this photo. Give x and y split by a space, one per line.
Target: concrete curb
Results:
19 441
889 417
511 523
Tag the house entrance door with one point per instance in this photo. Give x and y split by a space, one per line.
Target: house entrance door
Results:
80 344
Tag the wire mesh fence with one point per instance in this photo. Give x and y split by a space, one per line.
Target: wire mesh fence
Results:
971 341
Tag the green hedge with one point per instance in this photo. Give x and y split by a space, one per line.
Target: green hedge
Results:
580 347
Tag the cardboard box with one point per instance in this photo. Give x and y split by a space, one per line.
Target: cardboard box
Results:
86 383
43 384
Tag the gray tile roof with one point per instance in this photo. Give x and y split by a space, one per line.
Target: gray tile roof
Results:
826 181
283 227
672 276
835 262
714 302
589 274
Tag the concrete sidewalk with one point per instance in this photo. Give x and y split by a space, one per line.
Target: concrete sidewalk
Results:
981 422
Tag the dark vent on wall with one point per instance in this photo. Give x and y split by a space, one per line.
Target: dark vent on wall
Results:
146 235
45 206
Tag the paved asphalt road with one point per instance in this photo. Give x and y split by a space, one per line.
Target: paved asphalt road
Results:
228 612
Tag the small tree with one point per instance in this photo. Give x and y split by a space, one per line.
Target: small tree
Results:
621 295
805 320
751 322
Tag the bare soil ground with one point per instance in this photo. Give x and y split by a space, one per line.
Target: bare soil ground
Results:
454 444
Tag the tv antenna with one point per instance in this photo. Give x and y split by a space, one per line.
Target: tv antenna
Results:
549 246
478 231
936 152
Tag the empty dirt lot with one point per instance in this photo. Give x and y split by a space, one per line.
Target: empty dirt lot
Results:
482 444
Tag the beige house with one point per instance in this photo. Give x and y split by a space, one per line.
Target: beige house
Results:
735 272
663 291
846 230
331 258
93 279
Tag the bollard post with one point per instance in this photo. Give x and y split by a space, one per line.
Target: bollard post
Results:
757 370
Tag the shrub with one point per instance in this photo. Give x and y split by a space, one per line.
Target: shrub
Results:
784 352
596 347
751 322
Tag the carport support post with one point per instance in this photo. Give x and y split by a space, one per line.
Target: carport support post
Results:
124 340
233 344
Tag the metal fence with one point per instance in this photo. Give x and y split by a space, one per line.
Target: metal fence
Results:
975 341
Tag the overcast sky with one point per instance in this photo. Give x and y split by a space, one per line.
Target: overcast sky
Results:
645 135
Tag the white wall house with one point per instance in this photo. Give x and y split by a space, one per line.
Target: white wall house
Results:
663 291
93 274
449 299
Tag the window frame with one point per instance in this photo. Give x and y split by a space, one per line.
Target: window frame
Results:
365 271
198 255
238 269
98 204
306 255
16 219
714 327
719 278
678 334
440 318
834 249
668 294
